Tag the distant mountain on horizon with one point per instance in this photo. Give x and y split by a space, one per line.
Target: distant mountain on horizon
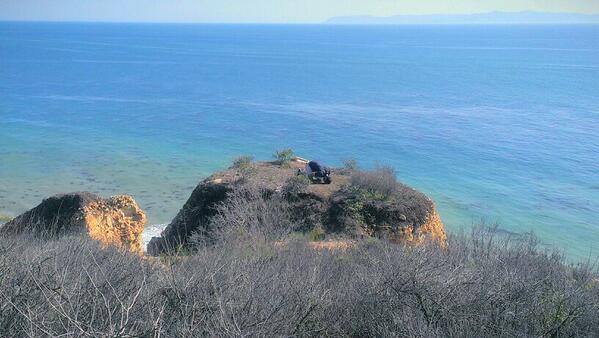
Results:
524 17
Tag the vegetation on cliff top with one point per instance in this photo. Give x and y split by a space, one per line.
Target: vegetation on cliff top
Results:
283 157
375 198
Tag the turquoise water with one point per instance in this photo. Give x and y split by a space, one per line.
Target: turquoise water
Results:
495 123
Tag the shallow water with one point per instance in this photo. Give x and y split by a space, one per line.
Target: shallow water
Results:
496 123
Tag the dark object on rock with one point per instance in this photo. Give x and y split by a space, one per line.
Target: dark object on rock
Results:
116 220
318 173
315 166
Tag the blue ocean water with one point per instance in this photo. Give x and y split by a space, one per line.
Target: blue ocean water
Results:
495 123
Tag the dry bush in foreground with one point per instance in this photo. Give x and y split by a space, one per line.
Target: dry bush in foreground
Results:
249 285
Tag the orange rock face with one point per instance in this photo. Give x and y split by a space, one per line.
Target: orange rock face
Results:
431 230
117 220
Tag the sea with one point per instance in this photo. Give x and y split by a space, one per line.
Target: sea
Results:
498 124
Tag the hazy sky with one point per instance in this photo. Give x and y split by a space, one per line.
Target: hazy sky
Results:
264 10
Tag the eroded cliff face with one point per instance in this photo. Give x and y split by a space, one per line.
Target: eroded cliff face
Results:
431 230
334 207
117 220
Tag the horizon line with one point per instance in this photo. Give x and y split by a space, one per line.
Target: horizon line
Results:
328 20
320 23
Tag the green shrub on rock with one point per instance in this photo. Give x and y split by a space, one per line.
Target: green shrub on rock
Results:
316 234
243 162
283 156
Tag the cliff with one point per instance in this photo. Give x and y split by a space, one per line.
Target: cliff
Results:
349 207
113 221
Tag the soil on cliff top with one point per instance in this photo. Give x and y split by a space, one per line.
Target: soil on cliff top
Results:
271 175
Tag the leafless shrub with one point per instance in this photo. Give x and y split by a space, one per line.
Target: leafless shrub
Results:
349 166
381 180
72 287
295 185
481 285
250 209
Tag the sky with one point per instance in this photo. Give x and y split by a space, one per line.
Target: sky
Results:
264 11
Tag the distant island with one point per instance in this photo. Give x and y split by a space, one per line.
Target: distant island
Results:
524 17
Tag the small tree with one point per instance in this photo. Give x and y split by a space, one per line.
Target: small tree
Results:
283 156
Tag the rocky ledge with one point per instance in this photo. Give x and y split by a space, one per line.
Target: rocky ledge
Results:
356 204
114 221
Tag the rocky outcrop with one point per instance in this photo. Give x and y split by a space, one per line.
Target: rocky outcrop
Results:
193 217
114 221
431 230
411 218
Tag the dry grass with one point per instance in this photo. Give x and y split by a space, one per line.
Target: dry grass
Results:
342 244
